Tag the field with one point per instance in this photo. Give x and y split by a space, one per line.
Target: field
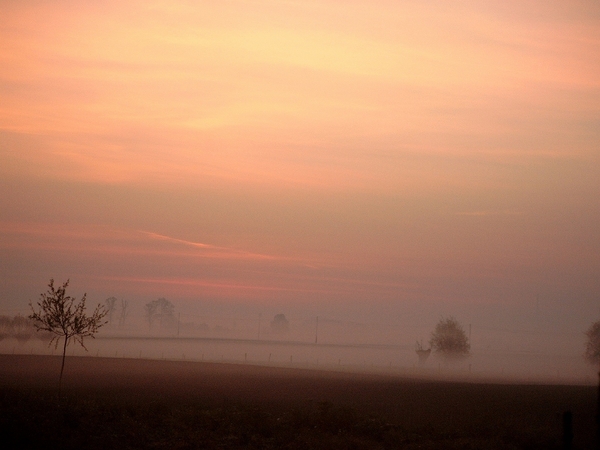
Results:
135 403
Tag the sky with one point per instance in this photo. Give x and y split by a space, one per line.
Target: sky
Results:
389 161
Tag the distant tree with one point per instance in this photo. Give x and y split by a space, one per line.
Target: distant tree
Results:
22 328
151 309
166 311
161 309
280 324
124 312
449 339
592 355
111 306
59 314
5 327
592 347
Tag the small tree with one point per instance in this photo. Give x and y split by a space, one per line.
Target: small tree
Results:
111 306
449 339
124 312
166 312
5 327
592 347
592 355
22 328
162 309
151 309
280 324
60 315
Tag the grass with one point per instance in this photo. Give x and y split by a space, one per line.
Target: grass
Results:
130 404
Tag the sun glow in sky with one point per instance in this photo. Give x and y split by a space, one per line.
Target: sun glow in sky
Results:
303 153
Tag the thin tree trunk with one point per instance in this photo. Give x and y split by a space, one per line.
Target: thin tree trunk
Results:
62 367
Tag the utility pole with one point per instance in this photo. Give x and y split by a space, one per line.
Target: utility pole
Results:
317 331
259 317
178 322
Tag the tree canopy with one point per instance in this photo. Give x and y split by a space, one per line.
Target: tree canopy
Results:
64 317
280 324
449 339
592 347
161 309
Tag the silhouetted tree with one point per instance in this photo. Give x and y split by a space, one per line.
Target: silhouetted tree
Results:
60 315
449 339
592 347
5 327
151 309
124 312
22 328
161 309
280 324
166 311
111 306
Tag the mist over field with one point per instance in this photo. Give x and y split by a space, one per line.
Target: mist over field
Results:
524 353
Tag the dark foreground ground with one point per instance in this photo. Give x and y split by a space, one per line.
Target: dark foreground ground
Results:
126 404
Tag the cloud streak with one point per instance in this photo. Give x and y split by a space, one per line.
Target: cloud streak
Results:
490 213
222 252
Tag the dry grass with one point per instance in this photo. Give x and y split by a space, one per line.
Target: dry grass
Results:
120 403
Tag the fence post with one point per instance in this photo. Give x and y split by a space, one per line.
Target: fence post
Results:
567 430
598 416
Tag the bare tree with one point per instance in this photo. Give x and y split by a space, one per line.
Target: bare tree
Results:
5 327
151 309
161 309
449 339
166 311
22 328
111 306
124 312
60 315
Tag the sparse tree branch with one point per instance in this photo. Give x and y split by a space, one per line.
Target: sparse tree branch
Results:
60 314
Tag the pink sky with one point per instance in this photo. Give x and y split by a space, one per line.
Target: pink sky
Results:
303 153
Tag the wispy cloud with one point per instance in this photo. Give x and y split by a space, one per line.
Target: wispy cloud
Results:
161 237
221 285
225 252
483 213
111 239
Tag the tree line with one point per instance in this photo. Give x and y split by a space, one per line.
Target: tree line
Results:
116 309
61 317
20 328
